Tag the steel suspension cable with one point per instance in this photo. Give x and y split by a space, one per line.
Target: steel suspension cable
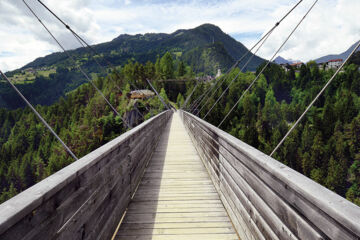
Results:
78 66
160 98
221 80
250 50
236 77
39 116
315 99
84 44
196 103
224 78
188 98
268 63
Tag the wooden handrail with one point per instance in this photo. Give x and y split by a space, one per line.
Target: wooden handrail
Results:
265 198
86 199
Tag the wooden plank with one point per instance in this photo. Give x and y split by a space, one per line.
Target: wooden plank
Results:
183 237
138 226
75 191
296 223
306 208
175 231
176 198
248 203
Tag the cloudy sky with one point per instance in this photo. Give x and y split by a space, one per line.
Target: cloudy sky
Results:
332 27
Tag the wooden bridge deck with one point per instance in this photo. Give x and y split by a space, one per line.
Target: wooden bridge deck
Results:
176 198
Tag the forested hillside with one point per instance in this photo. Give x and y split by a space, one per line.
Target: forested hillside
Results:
147 47
29 153
205 49
325 146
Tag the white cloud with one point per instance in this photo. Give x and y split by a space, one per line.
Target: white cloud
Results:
331 28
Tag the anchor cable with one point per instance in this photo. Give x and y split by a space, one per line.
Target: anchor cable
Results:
250 50
39 116
78 66
315 99
268 62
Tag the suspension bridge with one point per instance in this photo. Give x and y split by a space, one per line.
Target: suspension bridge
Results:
176 176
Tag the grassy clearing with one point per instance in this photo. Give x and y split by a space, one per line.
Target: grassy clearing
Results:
29 77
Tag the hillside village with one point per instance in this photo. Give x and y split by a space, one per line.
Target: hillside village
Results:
331 64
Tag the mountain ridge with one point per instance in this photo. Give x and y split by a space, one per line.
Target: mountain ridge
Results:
343 55
146 47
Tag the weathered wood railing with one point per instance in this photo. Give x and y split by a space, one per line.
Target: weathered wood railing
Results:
87 199
264 198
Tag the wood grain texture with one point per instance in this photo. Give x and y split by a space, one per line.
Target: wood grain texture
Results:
176 198
266 199
86 199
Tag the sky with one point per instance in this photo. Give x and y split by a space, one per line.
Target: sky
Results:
331 28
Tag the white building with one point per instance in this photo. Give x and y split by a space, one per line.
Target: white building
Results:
334 64
218 73
285 66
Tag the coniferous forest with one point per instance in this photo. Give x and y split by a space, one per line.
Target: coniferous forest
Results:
325 146
82 119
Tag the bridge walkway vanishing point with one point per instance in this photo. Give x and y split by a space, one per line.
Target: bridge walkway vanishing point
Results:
172 177
176 198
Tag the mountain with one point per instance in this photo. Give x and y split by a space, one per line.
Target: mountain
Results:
343 55
209 58
281 60
147 47
205 48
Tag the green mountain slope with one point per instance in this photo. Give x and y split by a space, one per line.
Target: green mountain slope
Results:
209 58
146 47
205 48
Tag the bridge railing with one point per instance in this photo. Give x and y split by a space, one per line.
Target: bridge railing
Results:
266 199
86 199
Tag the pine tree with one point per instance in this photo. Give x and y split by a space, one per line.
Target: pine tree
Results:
167 66
181 69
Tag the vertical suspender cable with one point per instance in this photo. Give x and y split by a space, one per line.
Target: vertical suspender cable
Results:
79 67
161 99
272 58
236 77
250 50
316 98
221 80
188 98
244 66
38 115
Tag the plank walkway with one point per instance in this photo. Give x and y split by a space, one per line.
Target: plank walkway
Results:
176 199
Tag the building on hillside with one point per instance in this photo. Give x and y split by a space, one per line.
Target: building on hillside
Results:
218 73
141 94
296 65
334 64
321 66
285 66
206 78
29 70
